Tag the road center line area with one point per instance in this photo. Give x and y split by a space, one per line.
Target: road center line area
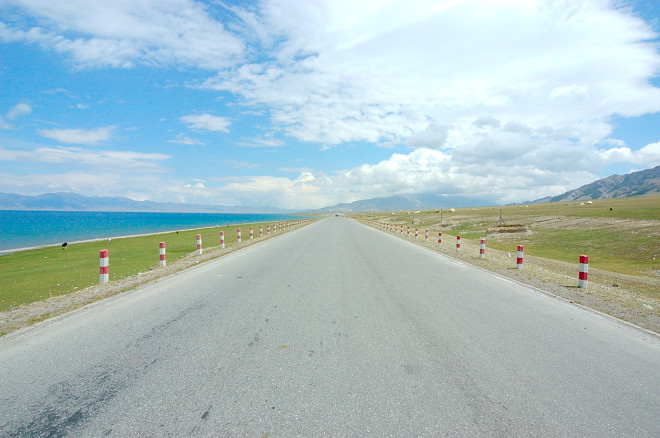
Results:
334 329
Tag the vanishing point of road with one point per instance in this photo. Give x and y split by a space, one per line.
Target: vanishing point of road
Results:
335 329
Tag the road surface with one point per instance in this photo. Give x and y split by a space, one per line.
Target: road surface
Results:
335 329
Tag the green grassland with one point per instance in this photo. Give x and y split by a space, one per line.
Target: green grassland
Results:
620 235
34 275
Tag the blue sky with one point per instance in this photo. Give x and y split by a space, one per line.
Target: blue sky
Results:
307 104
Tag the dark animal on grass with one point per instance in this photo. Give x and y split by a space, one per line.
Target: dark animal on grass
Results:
64 245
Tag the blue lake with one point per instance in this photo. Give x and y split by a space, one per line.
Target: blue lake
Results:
24 229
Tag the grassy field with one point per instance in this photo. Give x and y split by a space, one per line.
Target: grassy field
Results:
619 235
34 275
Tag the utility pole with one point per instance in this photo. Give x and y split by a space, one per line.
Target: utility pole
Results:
500 220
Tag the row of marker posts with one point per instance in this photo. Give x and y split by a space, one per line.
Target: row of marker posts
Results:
584 259
104 256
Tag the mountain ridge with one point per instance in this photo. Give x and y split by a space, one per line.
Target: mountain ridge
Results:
66 201
614 186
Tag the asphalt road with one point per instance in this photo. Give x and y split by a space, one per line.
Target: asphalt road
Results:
335 329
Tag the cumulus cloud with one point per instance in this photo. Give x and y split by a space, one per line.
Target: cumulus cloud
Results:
508 100
337 79
207 122
506 177
433 136
648 156
79 136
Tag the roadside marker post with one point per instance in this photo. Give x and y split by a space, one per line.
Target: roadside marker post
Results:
584 272
482 248
161 253
408 232
222 239
439 238
261 231
104 264
251 233
416 233
238 232
199 244
426 236
458 243
268 228
519 259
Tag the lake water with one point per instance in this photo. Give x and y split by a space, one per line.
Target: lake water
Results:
24 229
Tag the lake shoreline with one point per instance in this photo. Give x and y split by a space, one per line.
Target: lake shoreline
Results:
241 220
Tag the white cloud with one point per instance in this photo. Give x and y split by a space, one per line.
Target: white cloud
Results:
21 109
183 139
508 100
433 137
126 33
262 142
198 185
207 122
116 161
403 68
648 156
79 136
503 177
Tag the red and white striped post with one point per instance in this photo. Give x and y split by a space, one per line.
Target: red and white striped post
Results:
199 244
161 253
482 249
401 229
426 236
519 258
251 233
408 232
261 231
222 239
584 271
104 264
268 228
458 243
238 234
439 238
416 233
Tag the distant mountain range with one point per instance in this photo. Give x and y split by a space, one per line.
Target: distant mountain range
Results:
615 186
404 202
633 184
75 202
